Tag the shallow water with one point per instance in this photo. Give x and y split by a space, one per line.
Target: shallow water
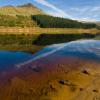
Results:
8 59
35 75
85 49
88 48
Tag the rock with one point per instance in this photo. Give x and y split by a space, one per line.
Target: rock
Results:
36 68
52 87
95 91
66 82
85 72
62 82
81 89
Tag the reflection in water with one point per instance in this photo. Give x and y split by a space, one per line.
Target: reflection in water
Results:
84 49
8 59
88 49
64 67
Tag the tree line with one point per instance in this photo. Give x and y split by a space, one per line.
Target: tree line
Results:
46 21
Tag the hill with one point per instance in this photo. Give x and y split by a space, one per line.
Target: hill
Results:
28 15
25 10
46 21
19 16
17 21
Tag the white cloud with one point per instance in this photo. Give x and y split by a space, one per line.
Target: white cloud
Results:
83 9
87 19
96 8
58 12
86 13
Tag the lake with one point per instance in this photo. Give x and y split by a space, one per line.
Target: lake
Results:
8 59
69 67
85 49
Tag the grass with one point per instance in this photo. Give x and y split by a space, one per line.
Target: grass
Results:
37 30
17 21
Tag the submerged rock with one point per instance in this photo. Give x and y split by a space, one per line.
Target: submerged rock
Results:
66 82
86 72
35 68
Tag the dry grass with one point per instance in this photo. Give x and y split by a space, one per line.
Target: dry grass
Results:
26 11
37 30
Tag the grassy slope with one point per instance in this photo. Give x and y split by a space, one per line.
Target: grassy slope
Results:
29 16
25 10
17 21
19 16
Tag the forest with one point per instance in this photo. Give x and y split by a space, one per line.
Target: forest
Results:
46 21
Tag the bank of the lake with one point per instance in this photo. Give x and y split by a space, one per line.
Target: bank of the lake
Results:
22 42
33 43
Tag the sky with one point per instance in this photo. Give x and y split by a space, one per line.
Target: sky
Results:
83 10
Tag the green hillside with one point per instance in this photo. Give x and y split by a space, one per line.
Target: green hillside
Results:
17 21
19 16
30 16
46 21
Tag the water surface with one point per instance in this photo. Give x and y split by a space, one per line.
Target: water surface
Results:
84 49
8 58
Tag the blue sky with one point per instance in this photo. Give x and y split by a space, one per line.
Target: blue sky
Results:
88 10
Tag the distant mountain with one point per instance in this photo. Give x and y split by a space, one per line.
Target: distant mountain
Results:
26 10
